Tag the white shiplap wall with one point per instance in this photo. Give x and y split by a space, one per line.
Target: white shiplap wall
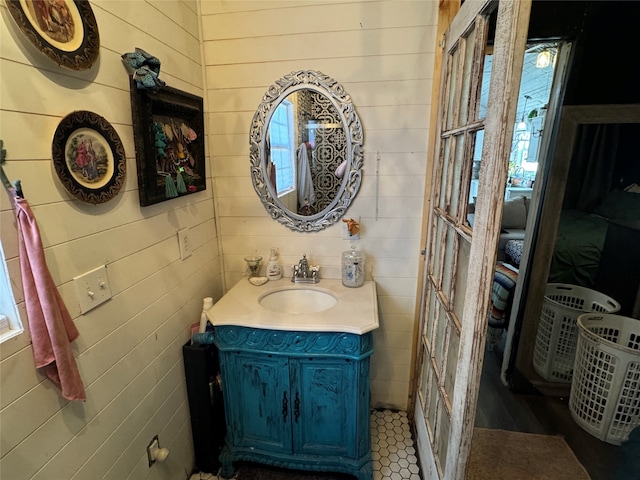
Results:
382 52
129 349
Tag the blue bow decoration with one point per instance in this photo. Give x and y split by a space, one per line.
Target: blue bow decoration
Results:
145 69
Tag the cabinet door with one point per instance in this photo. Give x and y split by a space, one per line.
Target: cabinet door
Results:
257 386
324 413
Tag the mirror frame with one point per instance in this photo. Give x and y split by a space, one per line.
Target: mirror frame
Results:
334 91
549 206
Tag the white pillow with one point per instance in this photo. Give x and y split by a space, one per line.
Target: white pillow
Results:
514 213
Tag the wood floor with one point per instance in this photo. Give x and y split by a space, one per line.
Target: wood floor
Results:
500 408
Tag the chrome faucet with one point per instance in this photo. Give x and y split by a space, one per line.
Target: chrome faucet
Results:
305 273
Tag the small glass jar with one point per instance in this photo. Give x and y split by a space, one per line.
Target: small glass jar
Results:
352 268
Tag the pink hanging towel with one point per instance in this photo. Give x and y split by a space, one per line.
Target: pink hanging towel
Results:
52 329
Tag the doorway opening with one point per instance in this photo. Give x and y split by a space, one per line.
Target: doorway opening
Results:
529 404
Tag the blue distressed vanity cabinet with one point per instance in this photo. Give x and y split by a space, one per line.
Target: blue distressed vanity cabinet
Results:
296 399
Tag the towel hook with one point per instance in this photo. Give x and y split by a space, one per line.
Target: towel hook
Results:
5 181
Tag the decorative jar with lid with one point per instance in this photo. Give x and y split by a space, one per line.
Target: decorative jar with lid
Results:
353 268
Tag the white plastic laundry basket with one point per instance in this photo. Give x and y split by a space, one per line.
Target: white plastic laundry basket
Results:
605 392
557 335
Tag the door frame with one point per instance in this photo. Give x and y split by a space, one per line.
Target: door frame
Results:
571 117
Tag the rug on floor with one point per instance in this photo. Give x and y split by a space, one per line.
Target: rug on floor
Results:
251 471
505 455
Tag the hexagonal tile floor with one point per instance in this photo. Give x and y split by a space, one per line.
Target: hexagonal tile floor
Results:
394 456
392 450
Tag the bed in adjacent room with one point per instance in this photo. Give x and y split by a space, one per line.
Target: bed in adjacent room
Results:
581 236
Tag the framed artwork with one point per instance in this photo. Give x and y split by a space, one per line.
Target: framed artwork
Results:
64 30
88 157
168 130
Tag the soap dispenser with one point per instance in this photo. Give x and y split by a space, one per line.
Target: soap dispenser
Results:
274 270
352 268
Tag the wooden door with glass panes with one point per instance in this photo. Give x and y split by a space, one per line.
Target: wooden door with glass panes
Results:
463 230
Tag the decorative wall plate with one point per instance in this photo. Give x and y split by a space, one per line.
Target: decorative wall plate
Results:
64 30
89 157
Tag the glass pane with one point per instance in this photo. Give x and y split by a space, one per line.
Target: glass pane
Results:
444 180
475 175
433 242
449 260
535 87
428 324
464 250
427 384
424 373
519 154
484 90
444 424
426 308
452 363
452 90
434 399
459 161
281 142
437 251
470 42
440 340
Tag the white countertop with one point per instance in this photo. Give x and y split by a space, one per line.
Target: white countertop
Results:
356 310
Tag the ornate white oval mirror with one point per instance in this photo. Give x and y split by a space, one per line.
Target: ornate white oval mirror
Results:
306 151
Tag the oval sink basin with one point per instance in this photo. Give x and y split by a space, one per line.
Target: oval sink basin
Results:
298 300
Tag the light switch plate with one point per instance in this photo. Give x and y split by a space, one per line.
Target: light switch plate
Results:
92 288
185 243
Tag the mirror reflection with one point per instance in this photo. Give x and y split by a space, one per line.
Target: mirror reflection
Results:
306 152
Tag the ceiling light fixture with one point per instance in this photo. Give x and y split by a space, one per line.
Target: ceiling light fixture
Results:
521 126
544 59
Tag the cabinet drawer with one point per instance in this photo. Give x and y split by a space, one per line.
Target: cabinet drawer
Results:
292 343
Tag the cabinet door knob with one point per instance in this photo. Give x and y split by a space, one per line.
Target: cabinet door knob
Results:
285 407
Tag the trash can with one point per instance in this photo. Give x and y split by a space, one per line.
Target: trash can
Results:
206 407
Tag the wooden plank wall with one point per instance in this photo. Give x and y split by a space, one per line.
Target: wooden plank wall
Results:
129 349
383 54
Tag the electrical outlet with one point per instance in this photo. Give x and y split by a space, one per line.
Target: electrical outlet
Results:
185 243
153 446
155 453
92 288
